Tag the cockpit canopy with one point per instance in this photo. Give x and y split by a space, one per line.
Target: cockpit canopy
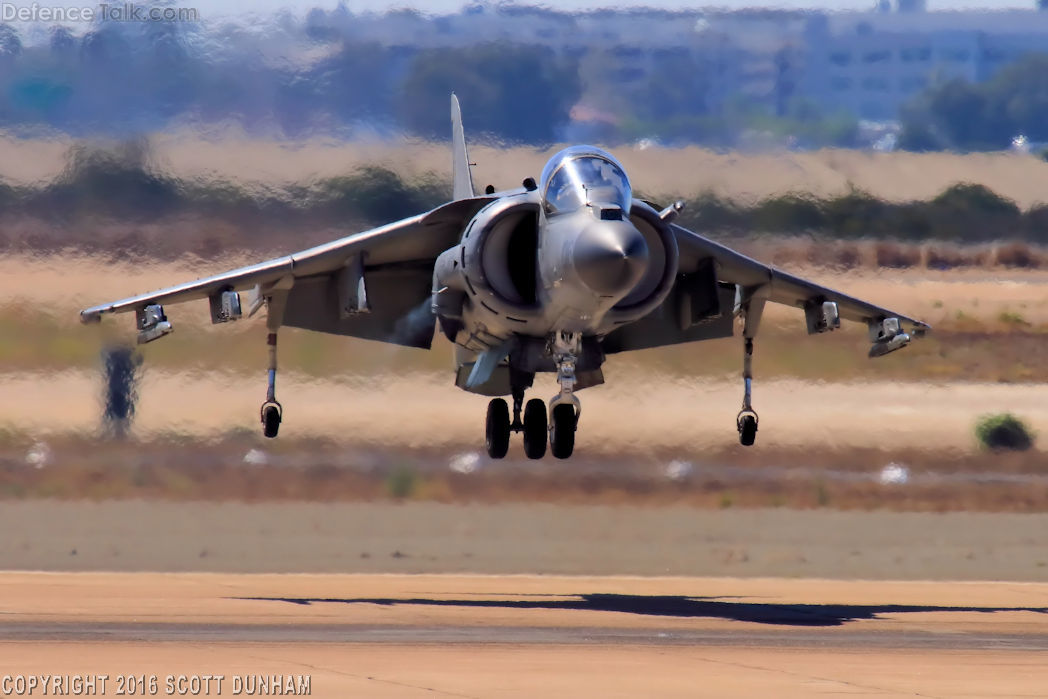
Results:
582 175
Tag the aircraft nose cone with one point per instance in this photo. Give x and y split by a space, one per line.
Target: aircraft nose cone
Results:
610 257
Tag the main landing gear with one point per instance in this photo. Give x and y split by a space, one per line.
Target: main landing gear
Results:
534 427
564 410
498 426
533 424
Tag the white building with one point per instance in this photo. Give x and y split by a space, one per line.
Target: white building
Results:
870 64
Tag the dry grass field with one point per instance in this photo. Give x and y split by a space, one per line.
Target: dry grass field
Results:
657 171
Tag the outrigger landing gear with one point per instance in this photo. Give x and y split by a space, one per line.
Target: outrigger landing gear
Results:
746 420
565 407
750 305
272 412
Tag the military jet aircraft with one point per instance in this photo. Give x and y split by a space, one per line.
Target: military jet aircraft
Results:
549 277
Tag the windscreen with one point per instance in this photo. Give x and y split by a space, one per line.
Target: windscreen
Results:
576 177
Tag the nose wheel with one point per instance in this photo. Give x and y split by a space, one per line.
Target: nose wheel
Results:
565 407
562 430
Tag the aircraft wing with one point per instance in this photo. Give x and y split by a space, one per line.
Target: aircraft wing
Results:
386 272
783 287
738 279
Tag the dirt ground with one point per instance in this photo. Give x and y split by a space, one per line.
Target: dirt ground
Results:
664 414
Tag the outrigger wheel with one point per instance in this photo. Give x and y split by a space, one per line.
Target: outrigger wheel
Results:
272 414
536 428
497 428
562 430
747 424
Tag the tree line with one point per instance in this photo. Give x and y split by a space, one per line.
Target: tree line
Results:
960 115
120 184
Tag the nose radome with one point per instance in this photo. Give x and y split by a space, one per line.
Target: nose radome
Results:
610 257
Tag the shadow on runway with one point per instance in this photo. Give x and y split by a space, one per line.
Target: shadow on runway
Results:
675 606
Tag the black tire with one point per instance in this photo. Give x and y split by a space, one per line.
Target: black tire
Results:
270 421
496 429
535 429
562 430
748 430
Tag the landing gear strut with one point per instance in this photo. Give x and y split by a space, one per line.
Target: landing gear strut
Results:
565 407
272 412
749 304
746 420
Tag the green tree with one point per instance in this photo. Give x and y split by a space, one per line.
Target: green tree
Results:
966 116
517 93
1018 98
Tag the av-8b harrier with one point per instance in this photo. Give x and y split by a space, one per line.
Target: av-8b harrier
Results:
550 277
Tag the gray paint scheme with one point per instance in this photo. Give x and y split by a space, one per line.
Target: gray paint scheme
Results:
399 298
507 271
785 288
462 178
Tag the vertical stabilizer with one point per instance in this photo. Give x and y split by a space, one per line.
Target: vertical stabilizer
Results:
463 179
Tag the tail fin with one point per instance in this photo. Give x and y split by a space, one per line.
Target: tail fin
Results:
463 179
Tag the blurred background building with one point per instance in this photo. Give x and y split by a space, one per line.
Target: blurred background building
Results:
537 75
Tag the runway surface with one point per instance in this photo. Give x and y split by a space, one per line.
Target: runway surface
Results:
522 636
519 538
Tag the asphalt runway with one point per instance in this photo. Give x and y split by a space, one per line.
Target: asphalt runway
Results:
522 636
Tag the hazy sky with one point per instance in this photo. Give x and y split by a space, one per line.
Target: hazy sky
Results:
233 6
211 8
